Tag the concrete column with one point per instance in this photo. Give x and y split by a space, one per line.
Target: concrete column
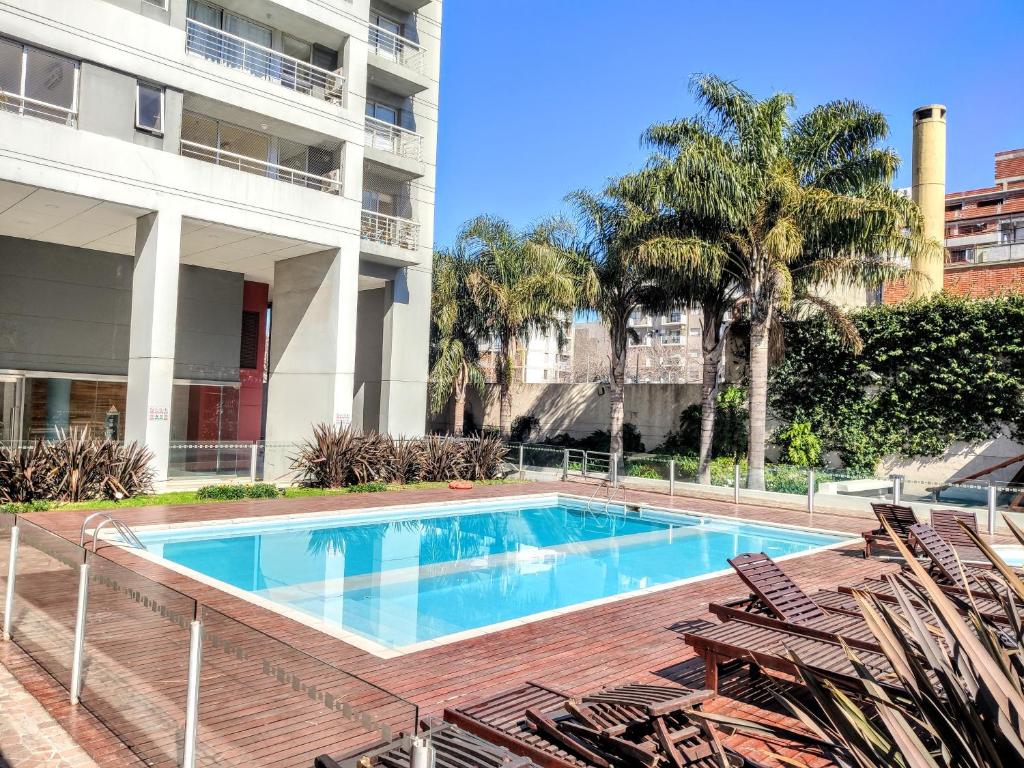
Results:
312 345
153 325
404 367
58 407
928 172
369 363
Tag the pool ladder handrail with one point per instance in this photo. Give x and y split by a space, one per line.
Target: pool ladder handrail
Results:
607 483
122 528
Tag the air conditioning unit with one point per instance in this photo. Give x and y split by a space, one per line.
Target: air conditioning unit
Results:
335 90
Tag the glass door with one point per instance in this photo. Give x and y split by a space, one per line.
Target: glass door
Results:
11 389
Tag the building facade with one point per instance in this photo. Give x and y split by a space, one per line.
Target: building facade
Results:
668 348
216 219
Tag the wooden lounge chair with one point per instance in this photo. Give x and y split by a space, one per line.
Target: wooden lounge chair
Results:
454 748
642 725
946 564
843 600
771 648
946 523
899 518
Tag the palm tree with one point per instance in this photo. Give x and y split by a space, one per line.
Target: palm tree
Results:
455 334
617 276
787 206
521 285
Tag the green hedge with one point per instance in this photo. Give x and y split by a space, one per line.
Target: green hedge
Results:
233 492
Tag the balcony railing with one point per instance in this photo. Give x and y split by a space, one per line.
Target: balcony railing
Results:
992 253
265 63
390 230
330 183
393 139
22 105
391 46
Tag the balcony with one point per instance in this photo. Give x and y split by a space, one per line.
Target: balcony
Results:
390 230
22 105
393 139
992 253
41 84
331 183
264 63
397 64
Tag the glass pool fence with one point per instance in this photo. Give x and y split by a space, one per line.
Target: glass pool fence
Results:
177 681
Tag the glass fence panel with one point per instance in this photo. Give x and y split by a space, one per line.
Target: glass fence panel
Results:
274 463
264 703
213 460
46 598
541 458
6 523
136 659
648 471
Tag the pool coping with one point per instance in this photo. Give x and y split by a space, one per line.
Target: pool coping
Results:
381 651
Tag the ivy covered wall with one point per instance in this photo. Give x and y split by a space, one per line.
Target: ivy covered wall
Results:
931 373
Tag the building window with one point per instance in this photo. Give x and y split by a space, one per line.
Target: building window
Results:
38 83
149 108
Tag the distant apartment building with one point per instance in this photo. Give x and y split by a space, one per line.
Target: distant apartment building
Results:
985 232
667 349
539 361
216 219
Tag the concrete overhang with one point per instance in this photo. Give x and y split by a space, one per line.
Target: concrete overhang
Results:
388 255
410 6
393 166
384 72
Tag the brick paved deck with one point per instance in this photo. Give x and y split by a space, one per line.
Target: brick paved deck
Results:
634 639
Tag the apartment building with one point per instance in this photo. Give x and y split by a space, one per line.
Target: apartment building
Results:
539 361
985 232
216 218
668 349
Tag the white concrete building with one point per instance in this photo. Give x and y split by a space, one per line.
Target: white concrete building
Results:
668 348
179 176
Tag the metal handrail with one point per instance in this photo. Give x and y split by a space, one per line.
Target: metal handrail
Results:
122 528
390 230
400 141
23 105
401 49
262 62
228 159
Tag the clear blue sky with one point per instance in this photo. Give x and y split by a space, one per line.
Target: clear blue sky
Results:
539 97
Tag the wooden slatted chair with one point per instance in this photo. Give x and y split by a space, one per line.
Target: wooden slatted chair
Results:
945 563
642 725
454 748
946 523
772 586
899 518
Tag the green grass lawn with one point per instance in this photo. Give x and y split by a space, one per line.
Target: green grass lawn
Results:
191 497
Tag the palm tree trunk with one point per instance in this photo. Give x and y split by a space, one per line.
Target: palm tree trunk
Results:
459 425
505 388
617 378
759 331
713 342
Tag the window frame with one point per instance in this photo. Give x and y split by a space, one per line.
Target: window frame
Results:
139 85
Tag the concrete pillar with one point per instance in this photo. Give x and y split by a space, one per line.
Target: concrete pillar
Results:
58 407
929 191
369 361
312 345
153 325
405 358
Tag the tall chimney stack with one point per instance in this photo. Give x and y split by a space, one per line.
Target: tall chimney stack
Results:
929 191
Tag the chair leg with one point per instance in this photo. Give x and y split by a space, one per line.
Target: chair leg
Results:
711 671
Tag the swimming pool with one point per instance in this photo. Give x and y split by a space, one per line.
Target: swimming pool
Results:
403 578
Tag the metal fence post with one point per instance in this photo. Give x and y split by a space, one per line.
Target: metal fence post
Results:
11 571
993 494
586 459
672 477
810 490
253 452
897 488
736 483
195 661
615 470
78 656
522 473
565 464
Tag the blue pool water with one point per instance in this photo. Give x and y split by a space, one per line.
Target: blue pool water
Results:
405 577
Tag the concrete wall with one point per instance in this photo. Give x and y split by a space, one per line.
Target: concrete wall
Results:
959 460
68 310
579 409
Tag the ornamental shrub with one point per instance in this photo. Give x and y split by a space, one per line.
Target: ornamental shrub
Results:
932 372
648 471
233 492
